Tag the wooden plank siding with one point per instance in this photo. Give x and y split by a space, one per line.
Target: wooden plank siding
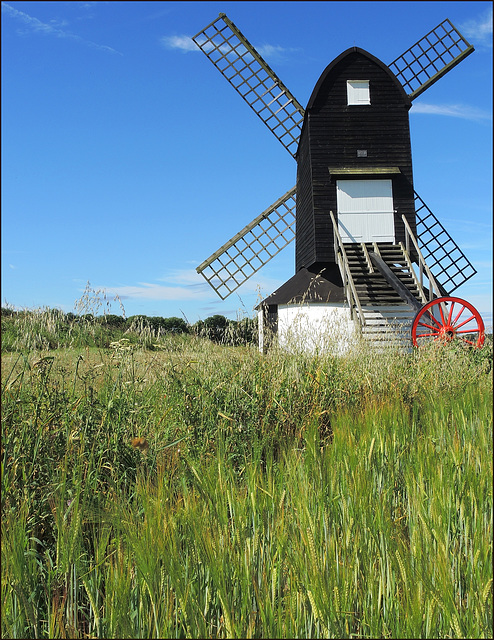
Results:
305 241
332 134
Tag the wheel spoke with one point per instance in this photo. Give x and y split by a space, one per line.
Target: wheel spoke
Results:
465 321
451 313
428 326
442 315
433 319
459 314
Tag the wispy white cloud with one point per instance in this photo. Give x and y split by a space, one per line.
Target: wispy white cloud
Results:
257 284
186 277
479 30
33 25
186 284
186 44
454 110
153 291
182 43
275 52
179 285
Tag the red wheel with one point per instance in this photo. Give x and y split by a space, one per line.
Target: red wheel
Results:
447 319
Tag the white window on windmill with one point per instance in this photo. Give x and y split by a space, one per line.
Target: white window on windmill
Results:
358 92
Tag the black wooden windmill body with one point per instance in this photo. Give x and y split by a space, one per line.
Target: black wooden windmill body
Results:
366 244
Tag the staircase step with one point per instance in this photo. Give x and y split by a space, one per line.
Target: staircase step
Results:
387 318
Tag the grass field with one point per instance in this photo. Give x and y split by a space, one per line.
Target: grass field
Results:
202 490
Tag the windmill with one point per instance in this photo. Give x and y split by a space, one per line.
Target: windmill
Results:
370 256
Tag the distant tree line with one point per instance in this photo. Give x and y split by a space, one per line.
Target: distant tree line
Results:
217 328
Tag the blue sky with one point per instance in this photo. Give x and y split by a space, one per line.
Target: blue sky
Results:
127 159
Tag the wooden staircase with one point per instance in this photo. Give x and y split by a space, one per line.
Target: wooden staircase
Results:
387 318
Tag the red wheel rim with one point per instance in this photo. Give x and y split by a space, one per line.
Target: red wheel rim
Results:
447 319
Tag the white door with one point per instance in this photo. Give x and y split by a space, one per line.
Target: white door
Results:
365 210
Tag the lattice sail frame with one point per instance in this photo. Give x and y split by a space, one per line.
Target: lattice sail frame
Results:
238 61
250 249
430 58
447 262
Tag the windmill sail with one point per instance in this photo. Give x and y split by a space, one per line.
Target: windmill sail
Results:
430 58
250 249
447 262
255 81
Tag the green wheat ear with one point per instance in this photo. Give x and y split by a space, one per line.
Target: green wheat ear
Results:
486 591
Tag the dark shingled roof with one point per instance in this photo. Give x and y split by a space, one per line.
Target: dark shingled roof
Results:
321 284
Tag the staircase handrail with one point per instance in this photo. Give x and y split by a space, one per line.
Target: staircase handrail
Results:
350 291
417 281
422 264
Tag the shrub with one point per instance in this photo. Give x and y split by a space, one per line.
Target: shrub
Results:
112 320
168 325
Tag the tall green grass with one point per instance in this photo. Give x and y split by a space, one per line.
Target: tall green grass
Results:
280 496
